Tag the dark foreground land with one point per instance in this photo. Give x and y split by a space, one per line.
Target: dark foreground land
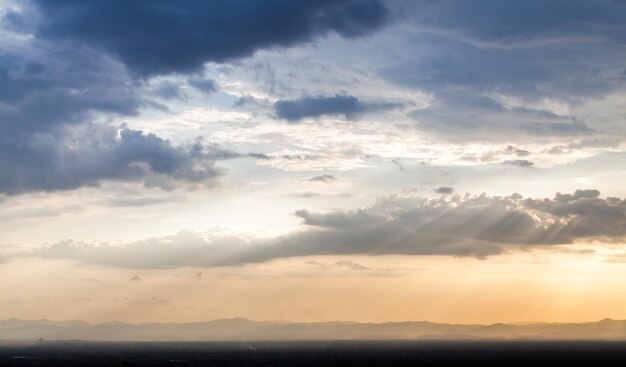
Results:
336 353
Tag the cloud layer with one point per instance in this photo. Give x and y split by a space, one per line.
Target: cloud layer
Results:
70 70
509 69
87 155
162 37
476 226
349 107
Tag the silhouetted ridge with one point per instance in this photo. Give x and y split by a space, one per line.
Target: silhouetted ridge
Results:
244 329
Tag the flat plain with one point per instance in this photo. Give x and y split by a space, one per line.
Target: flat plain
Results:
315 353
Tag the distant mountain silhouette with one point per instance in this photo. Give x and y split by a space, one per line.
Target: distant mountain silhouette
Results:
243 329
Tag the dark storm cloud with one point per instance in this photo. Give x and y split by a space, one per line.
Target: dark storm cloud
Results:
41 92
168 90
53 101
295 110
567 71
524 21
75 71
339 104
89 154
160 36
47 139
565 51
14 22
476 226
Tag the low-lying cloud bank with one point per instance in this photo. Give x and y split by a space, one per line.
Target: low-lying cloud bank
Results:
476 226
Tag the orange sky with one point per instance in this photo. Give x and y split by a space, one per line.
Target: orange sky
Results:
519 287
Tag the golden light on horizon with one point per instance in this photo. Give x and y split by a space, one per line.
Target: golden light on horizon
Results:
517 287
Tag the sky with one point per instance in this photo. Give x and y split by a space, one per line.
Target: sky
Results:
317 160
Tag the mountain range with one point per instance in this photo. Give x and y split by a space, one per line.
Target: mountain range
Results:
244 329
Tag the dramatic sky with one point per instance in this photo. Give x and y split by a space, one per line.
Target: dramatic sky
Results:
367 160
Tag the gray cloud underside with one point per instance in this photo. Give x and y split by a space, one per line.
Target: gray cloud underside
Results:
446 190
89 154
505 23
465 117
519 163
466 53
340 104
529 48
40 91
206 86
160 37
49 140
179 250
76 71
476 226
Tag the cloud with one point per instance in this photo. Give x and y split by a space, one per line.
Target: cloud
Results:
206 86
52 136
13 21
495 23
532 49
139 201
184 249
564 72
41 92
8 251
55 107
323 178
68 78
467 117
446 190
89 154
528 61
315 194
135 278
168 90
162 37
339 104
294 110
307 194
578 194
350 265
517 152
477 226
399 165
519 163
469 226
